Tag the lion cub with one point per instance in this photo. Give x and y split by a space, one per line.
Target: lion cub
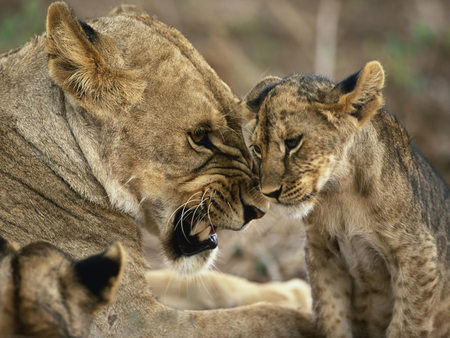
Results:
44 293
376 213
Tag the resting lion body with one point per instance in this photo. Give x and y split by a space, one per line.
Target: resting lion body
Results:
119 124
377 215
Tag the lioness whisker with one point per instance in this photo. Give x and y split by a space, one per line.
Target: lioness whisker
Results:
184 213
200 204
143 199
177 209
132 177
231 209
209 206
181 206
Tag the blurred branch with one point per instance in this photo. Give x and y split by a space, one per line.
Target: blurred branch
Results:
239 67
296 24
326 37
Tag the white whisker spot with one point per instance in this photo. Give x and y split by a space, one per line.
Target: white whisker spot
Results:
132 177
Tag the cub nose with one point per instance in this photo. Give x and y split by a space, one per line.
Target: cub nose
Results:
273 194
251 212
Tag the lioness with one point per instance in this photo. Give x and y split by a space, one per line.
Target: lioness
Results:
119 122
377 215
44 293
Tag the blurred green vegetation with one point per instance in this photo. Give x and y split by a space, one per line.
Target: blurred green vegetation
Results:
18 26
401 54
261 45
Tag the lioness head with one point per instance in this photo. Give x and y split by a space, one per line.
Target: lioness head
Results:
45 293
159 129
302 126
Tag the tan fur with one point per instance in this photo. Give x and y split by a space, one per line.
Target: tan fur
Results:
118 124
44 293
214 290
376 214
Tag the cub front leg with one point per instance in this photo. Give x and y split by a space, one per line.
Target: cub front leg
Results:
417 284
330 286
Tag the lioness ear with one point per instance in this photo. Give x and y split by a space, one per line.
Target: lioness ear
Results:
101 273
77 66
260 91
360 94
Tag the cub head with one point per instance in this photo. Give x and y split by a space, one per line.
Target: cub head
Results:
45 293
161 132
301 128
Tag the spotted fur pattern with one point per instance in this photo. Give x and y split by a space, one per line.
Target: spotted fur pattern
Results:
376 213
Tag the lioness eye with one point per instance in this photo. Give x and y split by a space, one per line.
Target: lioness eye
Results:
257 151
200 137
292 143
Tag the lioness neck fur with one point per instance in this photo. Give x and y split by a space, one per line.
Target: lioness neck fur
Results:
119 122
376 213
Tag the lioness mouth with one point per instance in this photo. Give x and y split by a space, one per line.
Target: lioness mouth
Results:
192 235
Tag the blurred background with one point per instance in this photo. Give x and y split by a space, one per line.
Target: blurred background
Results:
246 40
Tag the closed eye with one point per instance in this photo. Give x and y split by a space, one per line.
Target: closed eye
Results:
292 144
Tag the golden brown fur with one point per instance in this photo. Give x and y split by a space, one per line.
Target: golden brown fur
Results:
376 214
44 293
214 290
118 125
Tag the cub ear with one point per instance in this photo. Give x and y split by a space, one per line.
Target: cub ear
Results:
77 66
360 94
255 98
101 273
7 247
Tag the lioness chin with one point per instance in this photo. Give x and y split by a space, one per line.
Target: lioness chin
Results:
118 123
376 213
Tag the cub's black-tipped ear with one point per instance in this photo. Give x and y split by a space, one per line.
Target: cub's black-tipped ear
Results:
76 63
101 273
7 247
255 98
347 85
360 94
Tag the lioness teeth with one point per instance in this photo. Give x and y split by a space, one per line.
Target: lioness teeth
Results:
198 228
204 234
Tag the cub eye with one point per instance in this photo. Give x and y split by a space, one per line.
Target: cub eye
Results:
257 151
200 137
292 143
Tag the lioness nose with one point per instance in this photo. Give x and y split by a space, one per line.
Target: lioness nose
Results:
273 194
251 212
